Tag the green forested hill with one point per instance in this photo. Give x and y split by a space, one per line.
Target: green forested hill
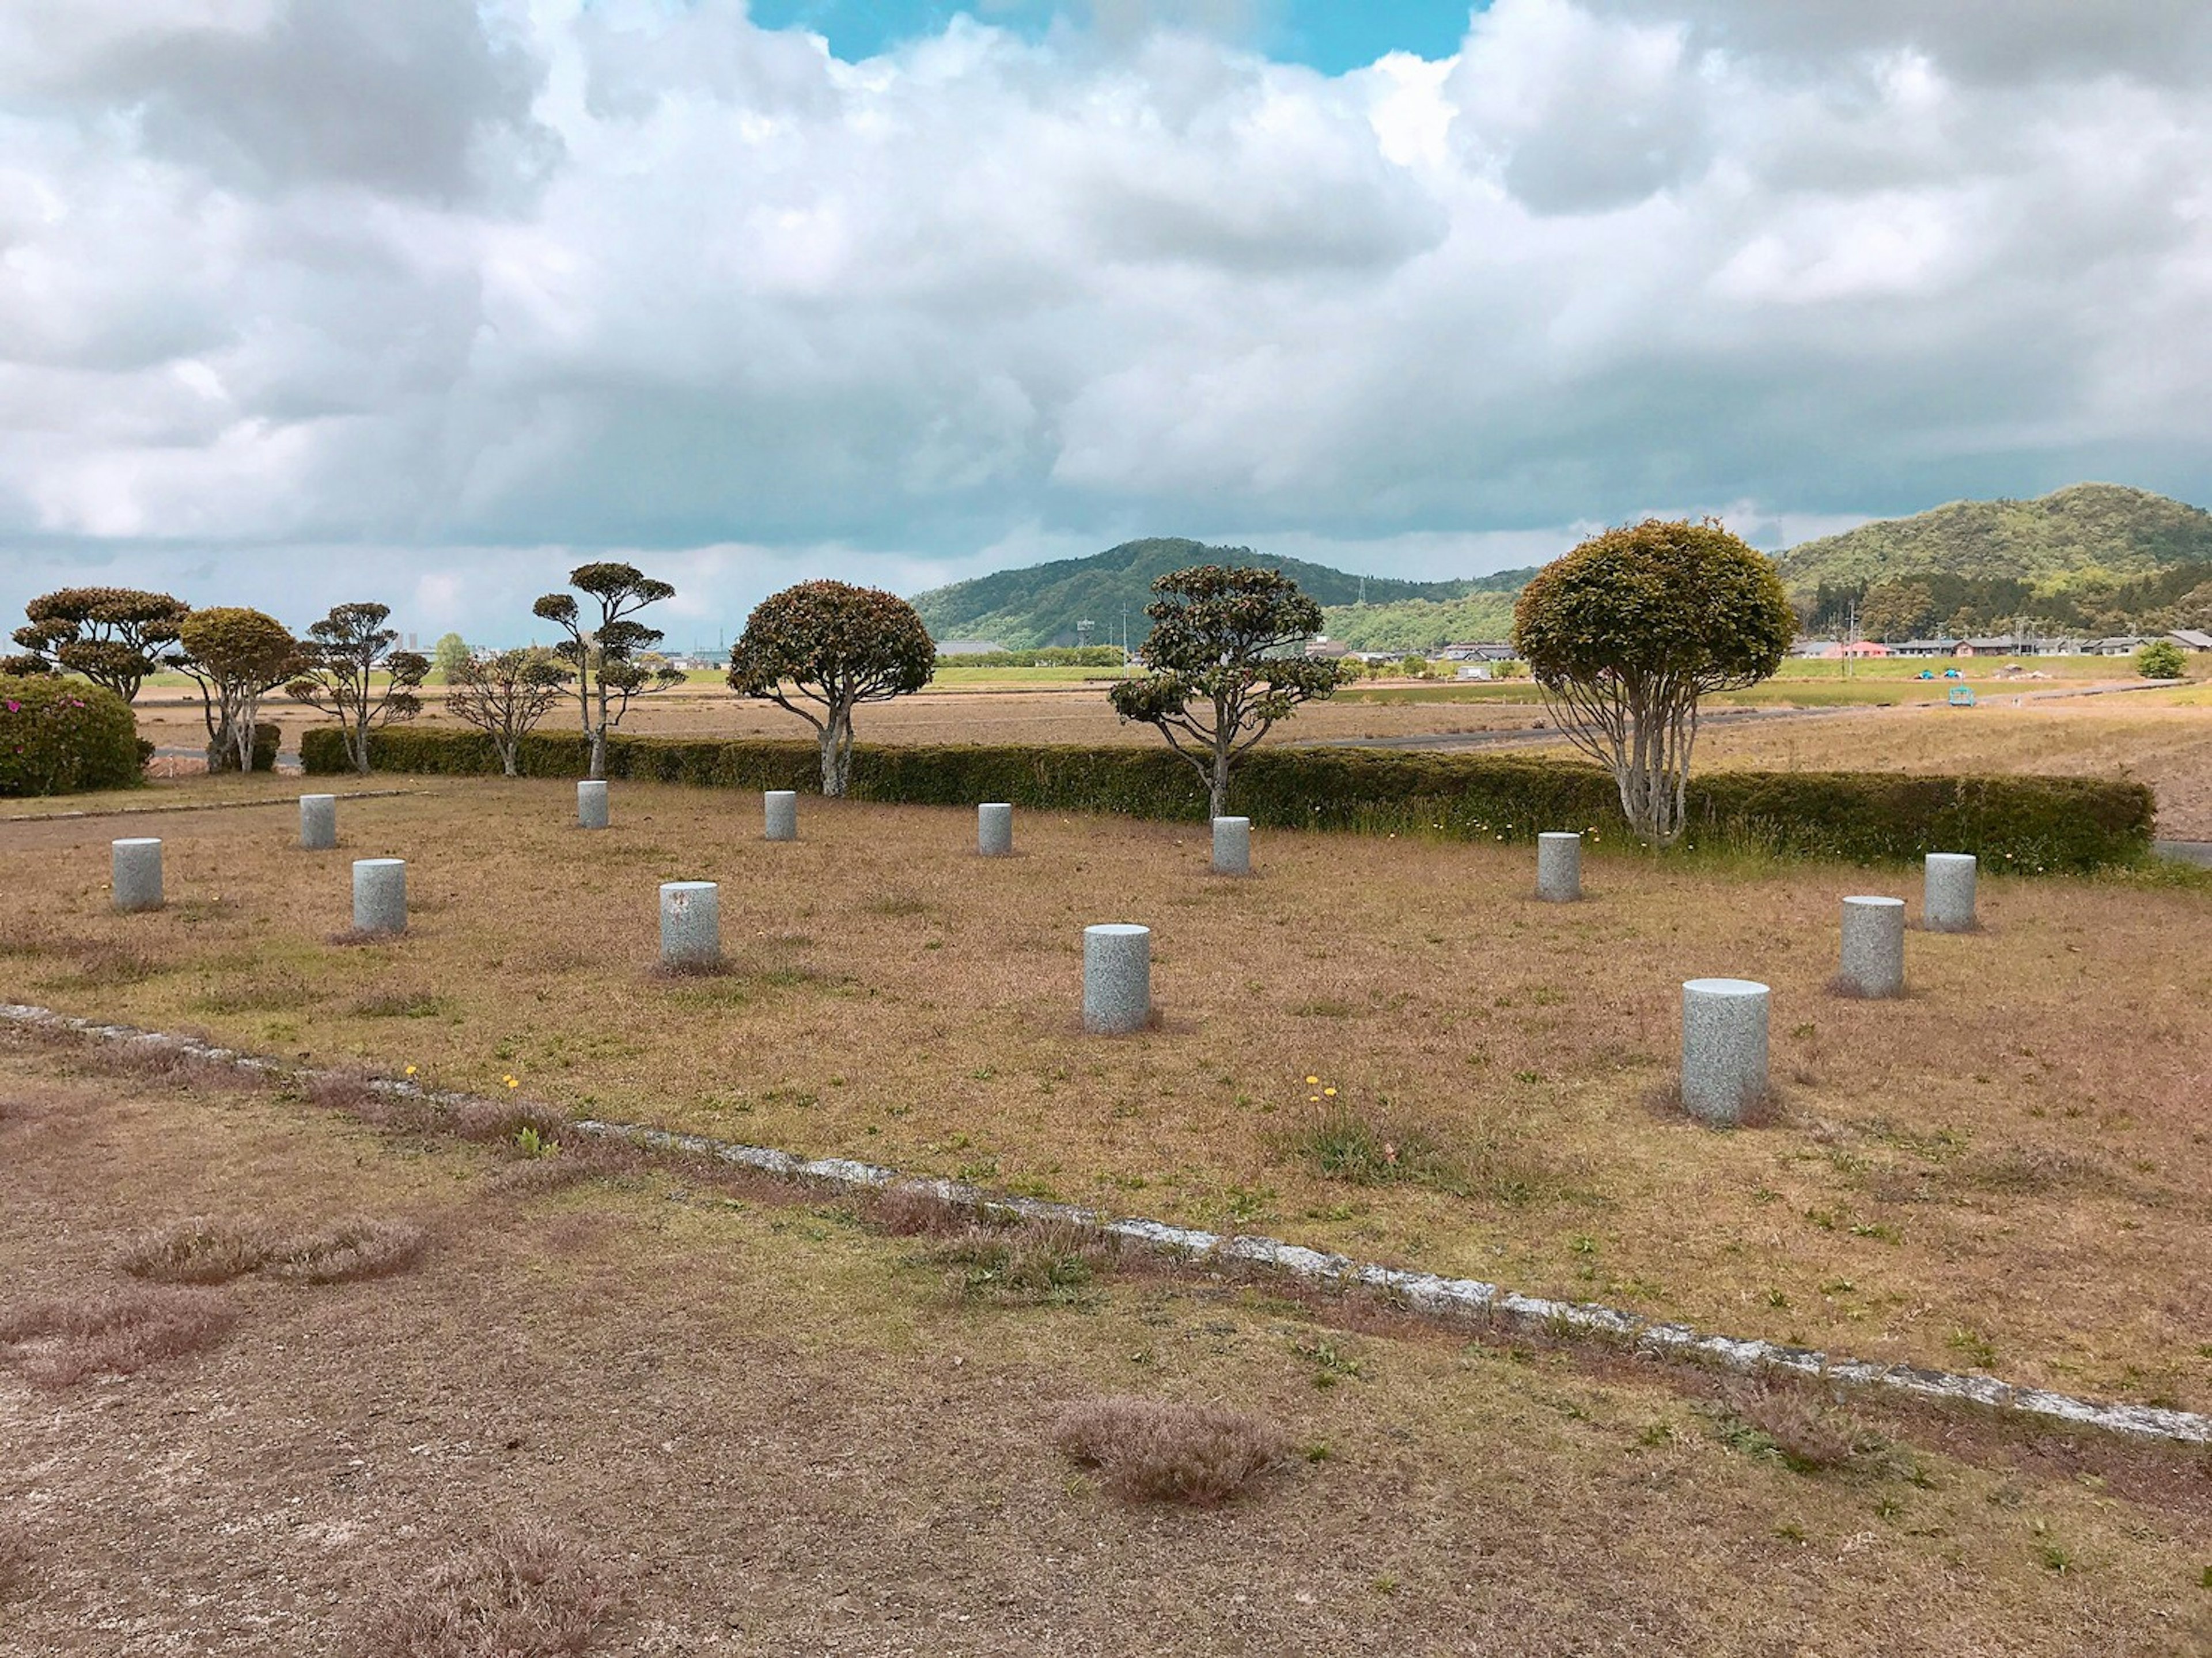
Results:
1040 605
2091 532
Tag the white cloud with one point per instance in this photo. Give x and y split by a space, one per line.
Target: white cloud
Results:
469 289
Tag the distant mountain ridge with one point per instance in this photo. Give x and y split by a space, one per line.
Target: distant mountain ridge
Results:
2088 531
2091 556
1041 604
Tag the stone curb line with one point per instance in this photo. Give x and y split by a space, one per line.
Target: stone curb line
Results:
202 806
1425 1293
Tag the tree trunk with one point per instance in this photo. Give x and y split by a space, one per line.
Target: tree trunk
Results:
243 735
837 753
1217 793
507 756
598 769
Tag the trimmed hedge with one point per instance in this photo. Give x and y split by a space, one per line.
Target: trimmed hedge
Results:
2026 823
60 735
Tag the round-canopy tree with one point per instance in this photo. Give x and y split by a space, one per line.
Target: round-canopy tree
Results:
506 694
2161 659
114 636
1629 630
449 655
1225 663
236 655
832 646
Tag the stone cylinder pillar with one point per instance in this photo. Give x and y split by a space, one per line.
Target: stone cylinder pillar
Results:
1874 947
1723 1049
1559 868
137 874
1948 901
319 822
1117 979
782 812
994 829
592 803
380 894
690 923
1232 846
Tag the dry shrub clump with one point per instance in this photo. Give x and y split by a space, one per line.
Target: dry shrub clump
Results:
211 1251
1047 1264
54 1344
526 1592
1489 1158
200 1250
908 1211
1156 1451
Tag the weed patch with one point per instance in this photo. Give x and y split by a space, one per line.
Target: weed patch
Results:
1051 1264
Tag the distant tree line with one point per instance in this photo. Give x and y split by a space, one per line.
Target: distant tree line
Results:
1933 604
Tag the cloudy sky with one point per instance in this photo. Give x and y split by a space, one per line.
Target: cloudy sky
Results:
308 301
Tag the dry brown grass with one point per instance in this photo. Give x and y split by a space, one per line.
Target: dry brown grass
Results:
1416 979
1808 1430
209 1250
118 1331
344 1251
19 1563
1150 1450
1029 1264
790 1445
526 1592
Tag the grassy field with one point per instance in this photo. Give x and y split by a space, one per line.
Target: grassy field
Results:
643 1411
2003 1171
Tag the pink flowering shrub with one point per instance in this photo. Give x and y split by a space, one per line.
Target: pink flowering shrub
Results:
61 735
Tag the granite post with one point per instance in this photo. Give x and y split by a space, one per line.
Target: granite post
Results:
780 811
592 803
994 829
1232 846
380 894
1874 947
137 874
1723 1049
1559 868
1117 979
690 923
1948 901
319 822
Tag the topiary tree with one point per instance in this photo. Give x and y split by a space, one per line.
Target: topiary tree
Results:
116 637
236 656
2161 659
832 646
604 653
1223 664
58 737
1624 634
341 658
449 654
506 696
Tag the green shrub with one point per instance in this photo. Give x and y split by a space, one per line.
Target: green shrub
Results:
2161 659
60 735
2028 824
267 739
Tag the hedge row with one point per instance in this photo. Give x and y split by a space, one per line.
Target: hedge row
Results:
2030 824
60 735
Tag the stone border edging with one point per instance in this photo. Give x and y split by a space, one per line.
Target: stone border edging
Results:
201 805
1425 1293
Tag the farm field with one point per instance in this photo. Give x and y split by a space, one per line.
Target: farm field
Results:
2002 1172
596 1383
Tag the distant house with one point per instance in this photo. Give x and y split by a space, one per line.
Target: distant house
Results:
967 646
1327 650
1483 651
1857 647
1926 647
2191 639
2117 645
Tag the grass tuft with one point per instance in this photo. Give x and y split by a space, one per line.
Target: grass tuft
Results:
200 1250
1807 1433
1054 1264
525 1592
57 1343
1157 1451
907 1212
399 1005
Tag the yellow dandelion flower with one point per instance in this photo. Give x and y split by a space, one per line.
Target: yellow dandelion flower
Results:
411 1070
1312 1082
1330 1092
1313 1099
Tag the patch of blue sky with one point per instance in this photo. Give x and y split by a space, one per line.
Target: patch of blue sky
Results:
1329 35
